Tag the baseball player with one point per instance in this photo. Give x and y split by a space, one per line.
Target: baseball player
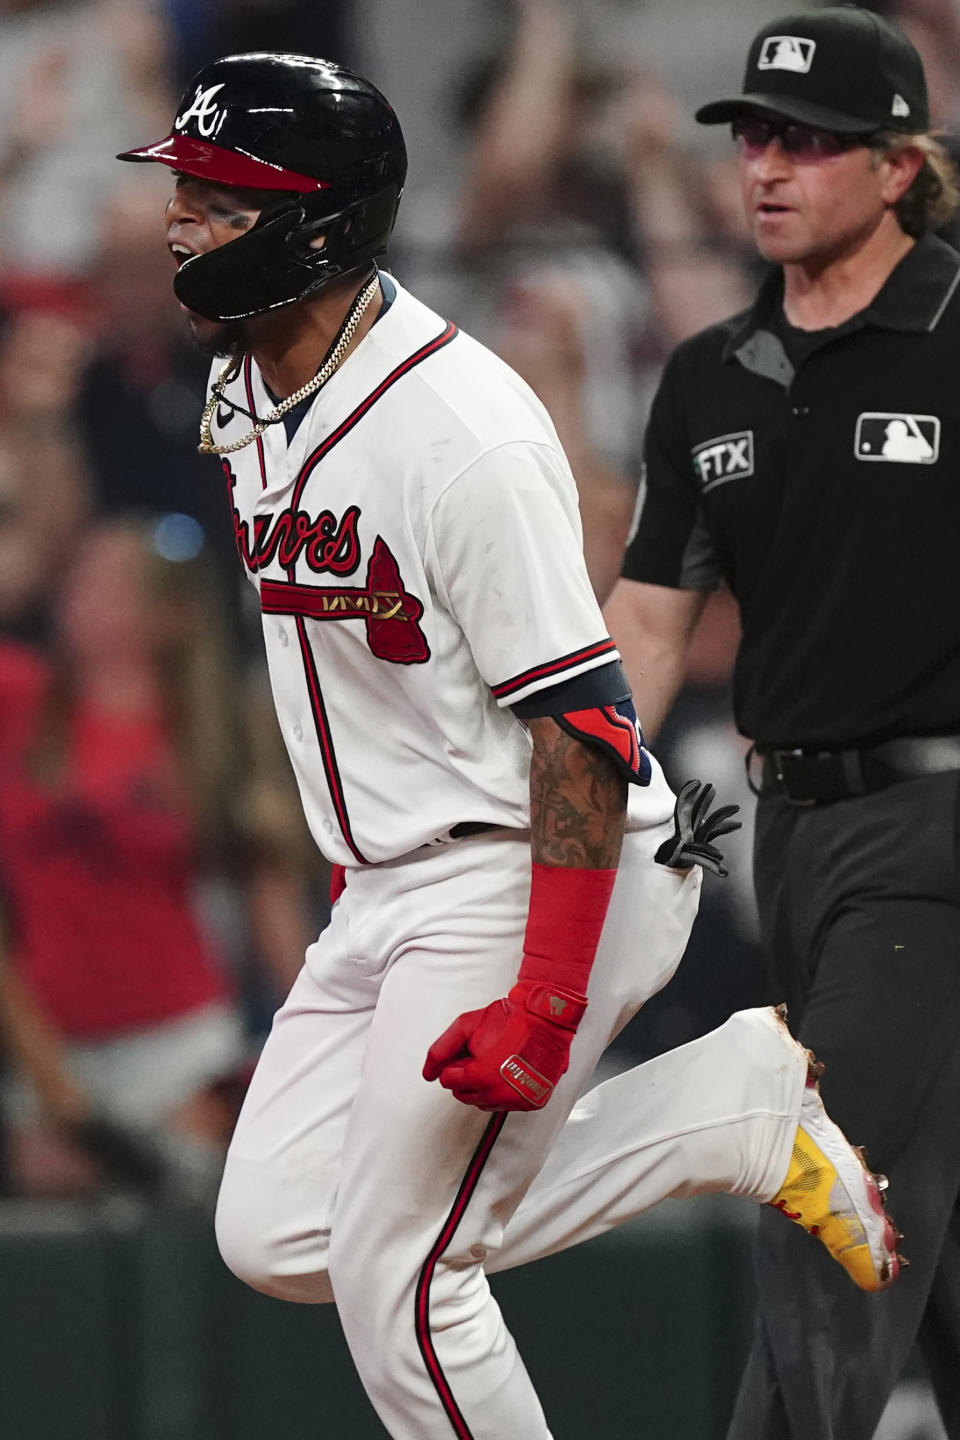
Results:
518 879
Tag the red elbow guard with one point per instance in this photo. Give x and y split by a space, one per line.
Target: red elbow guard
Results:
615 730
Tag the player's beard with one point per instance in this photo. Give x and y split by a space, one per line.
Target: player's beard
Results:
215 338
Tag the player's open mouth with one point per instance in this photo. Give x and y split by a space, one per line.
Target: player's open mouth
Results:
180 253
769 209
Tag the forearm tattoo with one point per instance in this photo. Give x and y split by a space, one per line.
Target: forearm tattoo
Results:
578 802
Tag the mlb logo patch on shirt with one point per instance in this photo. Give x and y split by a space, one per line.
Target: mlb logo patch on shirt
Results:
787 52
898 437
726 457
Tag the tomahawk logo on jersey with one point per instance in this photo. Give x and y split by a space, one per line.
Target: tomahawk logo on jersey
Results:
376 552
389 612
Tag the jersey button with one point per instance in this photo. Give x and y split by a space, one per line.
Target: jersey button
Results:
801 409
283 639
298 732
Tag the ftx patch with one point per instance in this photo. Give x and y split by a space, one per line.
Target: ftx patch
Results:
726 457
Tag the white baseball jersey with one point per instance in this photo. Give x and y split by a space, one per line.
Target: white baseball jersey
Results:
417 551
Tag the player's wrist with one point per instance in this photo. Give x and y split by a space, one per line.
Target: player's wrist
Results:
557 1004
568 906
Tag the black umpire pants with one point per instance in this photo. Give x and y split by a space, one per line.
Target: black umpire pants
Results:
859 906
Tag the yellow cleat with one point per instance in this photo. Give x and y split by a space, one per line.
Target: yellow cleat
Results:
832 1194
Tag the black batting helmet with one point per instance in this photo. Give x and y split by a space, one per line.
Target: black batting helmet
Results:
322 137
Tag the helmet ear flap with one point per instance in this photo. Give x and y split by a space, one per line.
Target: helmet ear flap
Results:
351 235
276 264
248 276
331 226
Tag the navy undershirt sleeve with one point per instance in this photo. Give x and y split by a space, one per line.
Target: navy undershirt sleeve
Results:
606 685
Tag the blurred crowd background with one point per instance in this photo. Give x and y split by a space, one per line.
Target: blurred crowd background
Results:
157 886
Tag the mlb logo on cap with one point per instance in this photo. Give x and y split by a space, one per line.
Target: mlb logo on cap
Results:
787 52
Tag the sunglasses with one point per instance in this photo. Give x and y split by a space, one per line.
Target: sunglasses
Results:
804 144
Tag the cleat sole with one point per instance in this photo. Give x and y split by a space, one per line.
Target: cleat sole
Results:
893 1262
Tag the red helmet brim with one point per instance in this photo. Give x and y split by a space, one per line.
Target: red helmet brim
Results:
222 167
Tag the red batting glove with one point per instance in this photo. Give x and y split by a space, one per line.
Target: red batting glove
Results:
510 1055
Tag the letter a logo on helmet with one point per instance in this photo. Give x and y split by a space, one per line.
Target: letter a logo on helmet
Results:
324 139
204 110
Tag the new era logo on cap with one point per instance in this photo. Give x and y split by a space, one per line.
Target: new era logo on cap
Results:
787 52
899 106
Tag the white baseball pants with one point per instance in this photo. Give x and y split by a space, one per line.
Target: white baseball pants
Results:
350 1178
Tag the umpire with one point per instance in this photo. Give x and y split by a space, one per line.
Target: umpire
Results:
807 453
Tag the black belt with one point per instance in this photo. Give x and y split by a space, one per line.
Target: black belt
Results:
463 828
807 777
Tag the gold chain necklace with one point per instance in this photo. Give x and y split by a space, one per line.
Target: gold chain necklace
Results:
231 370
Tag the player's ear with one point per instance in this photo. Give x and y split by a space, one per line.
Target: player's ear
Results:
900 166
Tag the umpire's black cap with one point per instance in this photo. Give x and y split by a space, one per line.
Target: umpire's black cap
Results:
842 68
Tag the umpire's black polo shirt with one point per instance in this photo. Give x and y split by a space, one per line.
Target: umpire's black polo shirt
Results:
828 498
